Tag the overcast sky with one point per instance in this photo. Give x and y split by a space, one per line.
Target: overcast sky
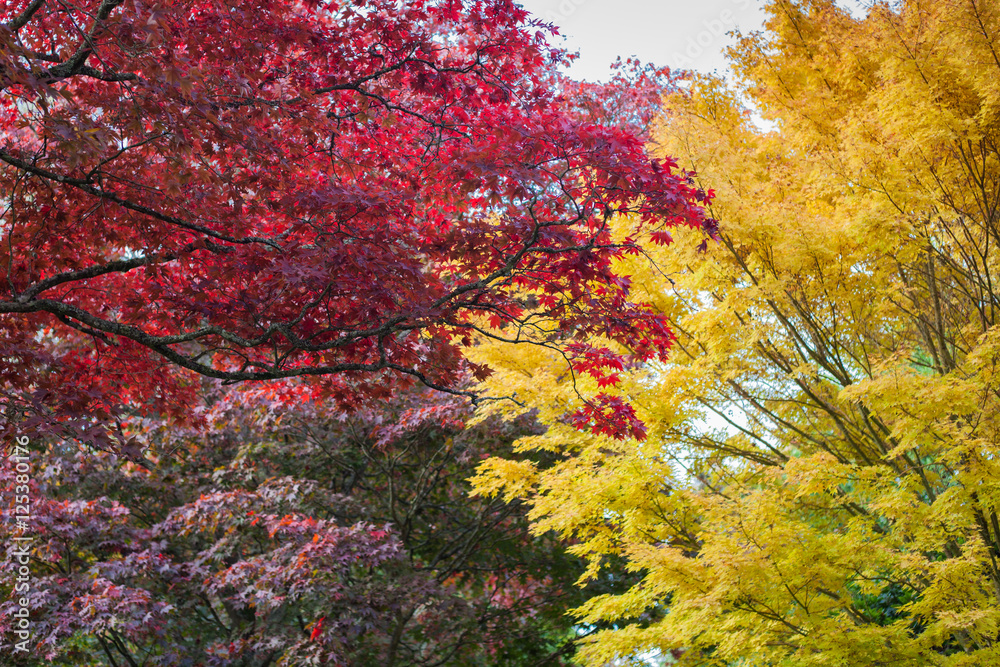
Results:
683 34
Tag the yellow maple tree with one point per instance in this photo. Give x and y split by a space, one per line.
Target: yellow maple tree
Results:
821 479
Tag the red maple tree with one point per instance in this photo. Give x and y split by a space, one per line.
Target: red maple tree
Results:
290 535
262 190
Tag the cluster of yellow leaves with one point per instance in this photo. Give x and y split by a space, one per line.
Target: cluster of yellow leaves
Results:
821 480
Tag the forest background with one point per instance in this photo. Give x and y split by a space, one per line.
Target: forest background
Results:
767 440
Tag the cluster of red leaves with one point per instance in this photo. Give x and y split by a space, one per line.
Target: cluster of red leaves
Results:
260 190
289 533
99 573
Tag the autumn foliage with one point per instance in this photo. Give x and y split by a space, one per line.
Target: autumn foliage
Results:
257 255
344 192
819 481
325 204
290 535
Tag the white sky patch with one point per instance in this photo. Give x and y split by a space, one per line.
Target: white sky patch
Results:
682 34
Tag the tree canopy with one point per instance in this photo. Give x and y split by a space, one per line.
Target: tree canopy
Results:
819 484
771 442
289 535
337 191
